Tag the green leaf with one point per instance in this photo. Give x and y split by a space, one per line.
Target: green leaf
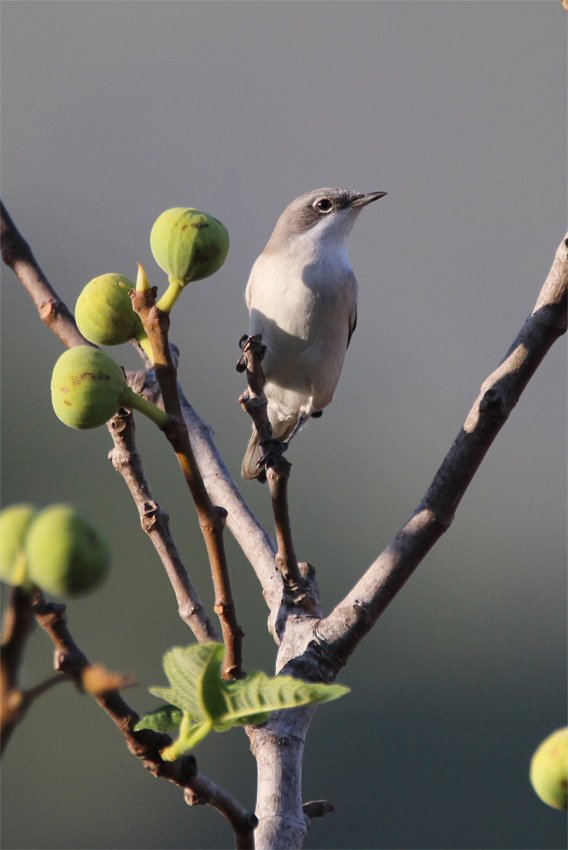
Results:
258 695
210 702
187 669
161 719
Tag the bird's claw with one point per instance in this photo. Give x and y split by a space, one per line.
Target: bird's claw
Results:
250 341
273 450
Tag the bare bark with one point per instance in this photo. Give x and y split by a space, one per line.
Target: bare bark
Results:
278 748
17 254
277 467
211 517
17 627
358 612
243 823
154 521
145 743
255 542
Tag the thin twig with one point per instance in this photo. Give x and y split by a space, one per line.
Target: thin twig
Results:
154 521
317 808
144 743
243 823
16 628
211 517
254 402
255 542
17 254
339 634
251 537
33 693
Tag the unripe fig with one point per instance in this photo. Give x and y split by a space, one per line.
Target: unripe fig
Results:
104 313
88 387
549 770
188 245
66 556
14 523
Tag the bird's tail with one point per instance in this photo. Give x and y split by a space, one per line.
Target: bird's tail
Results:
249 469
250 461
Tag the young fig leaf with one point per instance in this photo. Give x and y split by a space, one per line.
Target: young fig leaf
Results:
261 694
162 719
210 702
186 669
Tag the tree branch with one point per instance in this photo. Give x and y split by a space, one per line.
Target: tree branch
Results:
254 541
249 534
17 254
145 743
17 627
254 402
211 517
243 823
154 521
339 634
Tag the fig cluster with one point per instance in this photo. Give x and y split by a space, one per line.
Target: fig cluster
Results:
88 387
54 549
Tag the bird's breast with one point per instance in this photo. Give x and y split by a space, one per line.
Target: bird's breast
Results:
304 311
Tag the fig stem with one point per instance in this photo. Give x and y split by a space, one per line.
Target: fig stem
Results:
144 342
171 295
131 399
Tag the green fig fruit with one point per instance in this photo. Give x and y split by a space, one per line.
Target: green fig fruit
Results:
188 245
88 387
14 523
66 556
104 313
549 770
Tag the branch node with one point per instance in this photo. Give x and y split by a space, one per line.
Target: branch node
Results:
493 404
317 808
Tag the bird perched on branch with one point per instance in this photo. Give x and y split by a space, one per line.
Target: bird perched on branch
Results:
302 297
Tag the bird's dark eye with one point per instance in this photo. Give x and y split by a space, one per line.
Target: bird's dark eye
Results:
324 205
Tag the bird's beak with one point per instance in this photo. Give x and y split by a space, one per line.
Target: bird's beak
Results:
367 199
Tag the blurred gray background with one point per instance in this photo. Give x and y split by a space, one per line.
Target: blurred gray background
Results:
115 111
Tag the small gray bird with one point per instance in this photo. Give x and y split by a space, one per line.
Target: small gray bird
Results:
302 297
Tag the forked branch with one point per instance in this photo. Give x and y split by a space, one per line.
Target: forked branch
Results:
211 517
154 521
251 537
144 743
